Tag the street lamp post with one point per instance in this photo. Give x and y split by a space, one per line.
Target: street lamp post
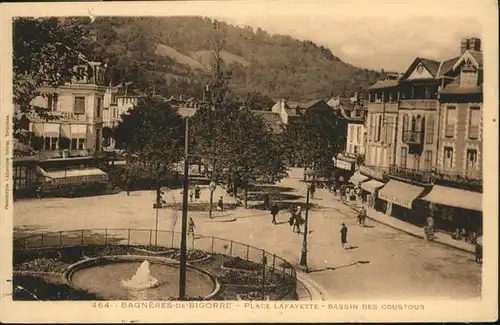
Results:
303 256
183 257
212 187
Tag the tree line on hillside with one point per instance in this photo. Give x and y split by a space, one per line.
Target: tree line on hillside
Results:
279 66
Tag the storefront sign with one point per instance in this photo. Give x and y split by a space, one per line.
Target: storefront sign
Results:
343 164
376 174
396 200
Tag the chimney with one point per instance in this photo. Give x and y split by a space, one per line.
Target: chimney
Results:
464 45
475 44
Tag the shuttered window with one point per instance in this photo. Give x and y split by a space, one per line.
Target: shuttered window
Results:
429 132
79 105
474 120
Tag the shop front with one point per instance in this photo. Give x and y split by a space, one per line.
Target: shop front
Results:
454 209
370 191
344 169
398 200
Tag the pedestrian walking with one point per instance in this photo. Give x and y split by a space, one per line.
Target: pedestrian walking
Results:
298 219
191 228
220 205
479 249
197 192
191 195
274 212
343 190
291 220
343 235
362 215
312 190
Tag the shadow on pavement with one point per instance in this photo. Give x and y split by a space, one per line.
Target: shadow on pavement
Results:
338 267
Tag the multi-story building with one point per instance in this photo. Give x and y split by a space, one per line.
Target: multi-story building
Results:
76 111
381 123
437 142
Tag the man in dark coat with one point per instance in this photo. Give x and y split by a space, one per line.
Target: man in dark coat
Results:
274 212
343 235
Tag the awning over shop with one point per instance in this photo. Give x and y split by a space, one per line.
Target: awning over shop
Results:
371 186
51 130
75 176
66 131
37 129
454 197
400 193
357 178
78 131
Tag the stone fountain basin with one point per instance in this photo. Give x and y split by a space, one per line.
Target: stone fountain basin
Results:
103 260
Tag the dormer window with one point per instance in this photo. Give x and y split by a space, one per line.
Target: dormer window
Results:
468 75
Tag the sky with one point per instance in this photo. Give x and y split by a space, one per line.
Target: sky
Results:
387 43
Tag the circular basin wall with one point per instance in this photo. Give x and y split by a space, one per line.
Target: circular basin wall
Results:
106 281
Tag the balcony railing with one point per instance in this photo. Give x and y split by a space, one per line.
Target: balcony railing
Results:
417 176
374 172
412 137
427 104
59 116
381 106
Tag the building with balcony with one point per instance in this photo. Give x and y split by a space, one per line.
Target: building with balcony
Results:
73 123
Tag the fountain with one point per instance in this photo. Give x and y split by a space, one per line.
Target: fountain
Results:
142 279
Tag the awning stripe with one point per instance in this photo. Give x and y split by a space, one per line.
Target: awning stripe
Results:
357 178
400 193
454 197
371 186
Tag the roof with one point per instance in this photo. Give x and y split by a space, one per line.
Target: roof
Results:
431 65
310 103
74 173
478 56
186 111
384 84
446 66
271 119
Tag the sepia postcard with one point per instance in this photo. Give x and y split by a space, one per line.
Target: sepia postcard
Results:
249 161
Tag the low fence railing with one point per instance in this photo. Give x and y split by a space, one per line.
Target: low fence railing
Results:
160 238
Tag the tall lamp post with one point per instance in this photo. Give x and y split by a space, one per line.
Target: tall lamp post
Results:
303 255
183 257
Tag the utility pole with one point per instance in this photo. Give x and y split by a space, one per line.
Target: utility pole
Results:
183 257
303 256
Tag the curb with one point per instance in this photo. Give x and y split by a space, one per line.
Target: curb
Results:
316 292
412 234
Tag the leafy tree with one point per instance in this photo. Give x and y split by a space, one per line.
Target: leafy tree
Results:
152 136
311 139
45 51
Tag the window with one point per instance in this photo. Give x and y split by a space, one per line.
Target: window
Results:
79 106
416 162
50 143
429 132
81 144
428 160
379 126
351 133
451 119
355 149
474 121
52 101
448 157
358 134
389 130
404 153
74 144
99 107
372 127
471 162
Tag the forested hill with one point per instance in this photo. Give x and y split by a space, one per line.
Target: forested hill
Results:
173 54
